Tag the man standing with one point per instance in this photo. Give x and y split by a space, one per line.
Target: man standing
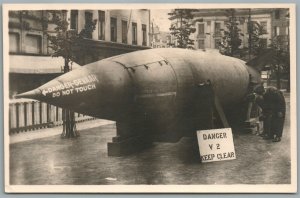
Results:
272 102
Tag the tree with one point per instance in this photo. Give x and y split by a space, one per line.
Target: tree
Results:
281 59
66 43
231 36
183 28
280 64
255 43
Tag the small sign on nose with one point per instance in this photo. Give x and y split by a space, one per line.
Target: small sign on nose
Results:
216 145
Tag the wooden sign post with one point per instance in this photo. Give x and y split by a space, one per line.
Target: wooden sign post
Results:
216 145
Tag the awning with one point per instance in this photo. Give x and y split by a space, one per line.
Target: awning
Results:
37 64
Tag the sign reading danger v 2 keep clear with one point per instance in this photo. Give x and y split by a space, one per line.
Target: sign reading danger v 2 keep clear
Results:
216 145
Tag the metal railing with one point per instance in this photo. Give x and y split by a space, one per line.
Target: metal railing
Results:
27 115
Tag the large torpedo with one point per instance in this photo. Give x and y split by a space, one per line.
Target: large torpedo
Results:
155 88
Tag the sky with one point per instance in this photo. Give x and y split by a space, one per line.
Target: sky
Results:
160 18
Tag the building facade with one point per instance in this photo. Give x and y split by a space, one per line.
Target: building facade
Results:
117 32
28 52
121 26
210 23
280 26
26 33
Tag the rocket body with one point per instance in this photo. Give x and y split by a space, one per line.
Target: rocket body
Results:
155 82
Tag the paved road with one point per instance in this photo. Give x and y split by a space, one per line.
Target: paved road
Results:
53 160
48 132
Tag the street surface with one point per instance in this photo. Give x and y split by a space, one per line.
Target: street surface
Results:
84 160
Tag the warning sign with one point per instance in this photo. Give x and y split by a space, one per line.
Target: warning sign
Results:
76 86
216 145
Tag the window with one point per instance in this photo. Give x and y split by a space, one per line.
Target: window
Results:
276 31
144 30
33 44
264 26
217 29
217 43
14 42
113 29
201 44
201 29
134 33
74 20
101 25
242 20
88 21
277 14
124 31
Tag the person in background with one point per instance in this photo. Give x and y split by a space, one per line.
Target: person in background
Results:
272 102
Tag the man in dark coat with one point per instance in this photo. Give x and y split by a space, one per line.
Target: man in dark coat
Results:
272 102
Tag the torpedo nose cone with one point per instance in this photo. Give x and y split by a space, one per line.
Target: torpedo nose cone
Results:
33 94
65 88
100 89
